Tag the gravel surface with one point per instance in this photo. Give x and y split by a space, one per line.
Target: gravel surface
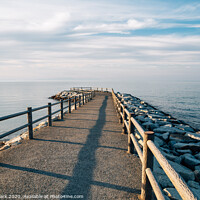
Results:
83 155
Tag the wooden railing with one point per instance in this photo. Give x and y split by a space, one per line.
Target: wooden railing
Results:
74 101
95 89
146 154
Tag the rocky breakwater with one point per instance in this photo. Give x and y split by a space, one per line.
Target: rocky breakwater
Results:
64 95
178 142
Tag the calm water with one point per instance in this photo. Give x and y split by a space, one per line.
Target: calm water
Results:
181 99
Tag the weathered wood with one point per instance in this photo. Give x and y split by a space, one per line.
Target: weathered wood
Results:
130 130
61 110
75 106
175 178
137 147
49 115
146 189
83 99
30 124
124 118
138 127
156 188
79 100
69 102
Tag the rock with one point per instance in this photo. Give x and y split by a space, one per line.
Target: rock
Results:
184 151
4 147
141 118
163 180
172 193
194 136
169 156
2 143
14 141
194 184
197 156
190 161
192 146
196 192
171 143
184 127
158 142
164 129
178 159
186 173
149 125
162 123
165 149
165 136
197 175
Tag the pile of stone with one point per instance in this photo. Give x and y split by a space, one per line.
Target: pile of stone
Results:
178 142
64 95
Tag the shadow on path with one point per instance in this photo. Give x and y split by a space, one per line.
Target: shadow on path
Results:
83 171
66 177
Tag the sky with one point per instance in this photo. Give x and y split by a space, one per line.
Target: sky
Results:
99 40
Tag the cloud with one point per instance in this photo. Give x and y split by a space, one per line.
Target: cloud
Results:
99 38
131 24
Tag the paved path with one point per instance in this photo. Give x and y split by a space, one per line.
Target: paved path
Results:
83 155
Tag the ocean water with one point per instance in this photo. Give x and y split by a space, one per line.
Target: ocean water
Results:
180 99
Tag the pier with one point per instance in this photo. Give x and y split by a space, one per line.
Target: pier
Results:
91 152
85 154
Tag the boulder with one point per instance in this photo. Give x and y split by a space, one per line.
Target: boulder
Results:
194 136
190 161
185 128
164 129
158 142
149 125
192 146
163 180
186 173
197 175
172 193
184 151
165 136
169 156
197 156
196 192
194 184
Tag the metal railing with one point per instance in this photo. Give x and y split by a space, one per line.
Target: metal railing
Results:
146 154
95 89
74 101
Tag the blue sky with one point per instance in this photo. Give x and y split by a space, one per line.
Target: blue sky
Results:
95 40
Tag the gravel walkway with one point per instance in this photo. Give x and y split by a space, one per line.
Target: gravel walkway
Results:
83 155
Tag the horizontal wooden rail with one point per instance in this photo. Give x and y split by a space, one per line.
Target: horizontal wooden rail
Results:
86 97
137 147
134 129
138 127
174 177
156 188
13 115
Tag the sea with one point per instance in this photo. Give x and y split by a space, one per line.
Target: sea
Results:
180 99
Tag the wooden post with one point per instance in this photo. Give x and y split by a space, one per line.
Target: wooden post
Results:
79 97
83 99
146 190
61 109
124 130
121 111
69 102
75 107
49 113
30 124
130 130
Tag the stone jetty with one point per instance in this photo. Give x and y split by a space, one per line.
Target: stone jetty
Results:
178 142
